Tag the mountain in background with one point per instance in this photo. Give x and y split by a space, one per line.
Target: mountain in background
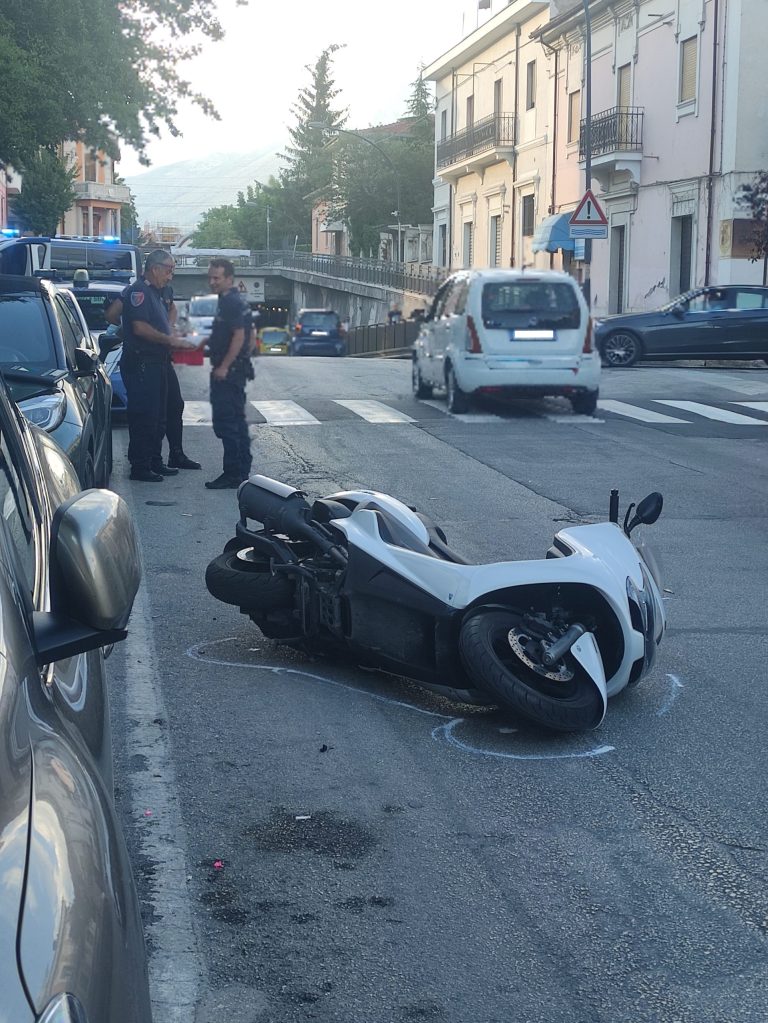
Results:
178 194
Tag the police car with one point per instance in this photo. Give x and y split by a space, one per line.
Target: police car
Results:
105 257
94 297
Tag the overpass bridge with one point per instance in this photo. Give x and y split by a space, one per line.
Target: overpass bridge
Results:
360 290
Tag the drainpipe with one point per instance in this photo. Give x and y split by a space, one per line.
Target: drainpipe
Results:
587 285
712 130
553 50
513 203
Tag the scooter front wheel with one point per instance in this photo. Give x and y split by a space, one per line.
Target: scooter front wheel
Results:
237 577
562 697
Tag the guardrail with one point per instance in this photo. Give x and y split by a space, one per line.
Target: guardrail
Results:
382 338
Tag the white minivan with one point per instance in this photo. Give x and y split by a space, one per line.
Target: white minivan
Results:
517 332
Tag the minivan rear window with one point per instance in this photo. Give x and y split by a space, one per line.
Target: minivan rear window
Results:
96 256
511 305
319 321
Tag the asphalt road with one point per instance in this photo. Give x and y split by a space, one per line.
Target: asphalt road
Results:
315 842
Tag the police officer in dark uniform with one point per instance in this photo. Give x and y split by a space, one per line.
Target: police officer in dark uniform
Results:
148 340
229 349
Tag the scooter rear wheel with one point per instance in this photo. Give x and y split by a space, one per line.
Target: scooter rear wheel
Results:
248 584
569 703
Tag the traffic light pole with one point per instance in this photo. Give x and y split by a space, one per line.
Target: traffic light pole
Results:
587 285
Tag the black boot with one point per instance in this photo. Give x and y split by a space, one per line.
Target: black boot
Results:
178 460
164 470
224 482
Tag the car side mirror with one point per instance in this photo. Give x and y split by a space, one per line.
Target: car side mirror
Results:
108 343
679 310
646 512
95 574
86 362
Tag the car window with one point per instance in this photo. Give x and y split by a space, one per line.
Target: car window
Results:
203 307
98 256
530 303
71 330
25 332
320 321
750 300
696 303
93 304
16 509
457 300
441 298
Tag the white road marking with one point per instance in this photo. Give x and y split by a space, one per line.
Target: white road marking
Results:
758 406
176 966
574 417
622 408
721 415
464 417
285 413
197 413
375 411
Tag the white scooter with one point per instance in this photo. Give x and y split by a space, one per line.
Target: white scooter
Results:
361 572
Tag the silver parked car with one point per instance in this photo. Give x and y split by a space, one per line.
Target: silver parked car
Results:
71 944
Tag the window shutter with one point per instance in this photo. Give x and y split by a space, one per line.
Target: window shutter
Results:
625 86
574 116
688 69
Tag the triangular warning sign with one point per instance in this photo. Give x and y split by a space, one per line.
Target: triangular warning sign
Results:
589 212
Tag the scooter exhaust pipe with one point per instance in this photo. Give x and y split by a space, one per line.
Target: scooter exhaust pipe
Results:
560 648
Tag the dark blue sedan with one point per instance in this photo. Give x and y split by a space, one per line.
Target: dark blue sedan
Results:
719 322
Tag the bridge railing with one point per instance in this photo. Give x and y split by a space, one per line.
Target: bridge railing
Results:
421 278
382 337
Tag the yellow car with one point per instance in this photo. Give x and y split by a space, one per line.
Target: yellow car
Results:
274 341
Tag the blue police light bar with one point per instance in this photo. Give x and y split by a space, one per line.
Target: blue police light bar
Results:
110 238
9 232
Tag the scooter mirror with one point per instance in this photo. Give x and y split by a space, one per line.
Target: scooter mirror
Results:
647 512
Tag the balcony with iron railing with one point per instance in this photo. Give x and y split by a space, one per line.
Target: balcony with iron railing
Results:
617 143
482 143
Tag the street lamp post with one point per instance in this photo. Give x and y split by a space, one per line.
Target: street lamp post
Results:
322 126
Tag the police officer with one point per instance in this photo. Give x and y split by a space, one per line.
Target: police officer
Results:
148 340
229 349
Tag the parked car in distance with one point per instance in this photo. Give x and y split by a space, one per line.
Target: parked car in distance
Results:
63 255
70 926
718 322
318 332
201 313
508 332
94 297
55 374
274 341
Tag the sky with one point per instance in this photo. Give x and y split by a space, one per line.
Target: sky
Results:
254 74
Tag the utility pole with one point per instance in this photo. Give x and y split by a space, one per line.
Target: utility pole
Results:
587 286
268 223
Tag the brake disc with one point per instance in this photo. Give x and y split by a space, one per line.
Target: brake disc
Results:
557 673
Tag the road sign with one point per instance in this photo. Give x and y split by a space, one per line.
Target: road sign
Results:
598 231
589 213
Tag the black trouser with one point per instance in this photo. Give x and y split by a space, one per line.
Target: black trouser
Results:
146 386
230 426
174 412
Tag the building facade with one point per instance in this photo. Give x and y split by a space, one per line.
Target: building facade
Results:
99 199
677 130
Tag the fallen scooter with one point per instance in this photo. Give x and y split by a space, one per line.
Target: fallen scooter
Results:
362 573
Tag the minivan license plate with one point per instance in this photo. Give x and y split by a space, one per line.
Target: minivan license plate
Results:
533 335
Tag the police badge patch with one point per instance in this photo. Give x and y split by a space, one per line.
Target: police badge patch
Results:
137 297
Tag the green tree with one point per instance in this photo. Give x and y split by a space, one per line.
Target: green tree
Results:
754 197
96 70
46 192
217 230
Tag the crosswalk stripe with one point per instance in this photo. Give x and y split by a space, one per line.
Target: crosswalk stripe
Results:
375 411
721 415
284 413
758 406
197 413
645 415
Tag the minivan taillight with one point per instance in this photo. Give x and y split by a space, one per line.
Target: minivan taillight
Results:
473 339
587 349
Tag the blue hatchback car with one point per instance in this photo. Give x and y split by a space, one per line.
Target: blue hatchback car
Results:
318 332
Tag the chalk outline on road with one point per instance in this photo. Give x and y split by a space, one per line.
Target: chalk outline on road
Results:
444 731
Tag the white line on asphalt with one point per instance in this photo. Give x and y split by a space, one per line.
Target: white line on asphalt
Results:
574 417
721 415
758 406
464 417
741 382
197 413
375 411
622 408
284 413
176 966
